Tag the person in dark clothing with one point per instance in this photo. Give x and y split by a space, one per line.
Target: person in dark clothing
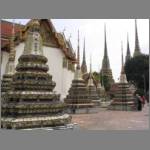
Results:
136 102
139 102
147 97
143 100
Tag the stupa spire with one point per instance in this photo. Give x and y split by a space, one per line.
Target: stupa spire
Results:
33 43
77 75
123 75
78 52
122 62
90 64
90 81
128 55
105 48
83 66
10 66
137 47
78 95
123 96
91 87
105 64
84 51
106 70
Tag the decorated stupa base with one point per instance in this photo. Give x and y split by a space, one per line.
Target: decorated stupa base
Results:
24 122
105 104
124 100
94 95
78 100
69 126
122 106
81 108
101 91
6 81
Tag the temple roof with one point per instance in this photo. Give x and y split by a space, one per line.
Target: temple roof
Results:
6 32
49 33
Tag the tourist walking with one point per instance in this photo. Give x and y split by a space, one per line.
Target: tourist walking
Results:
138 102
143 100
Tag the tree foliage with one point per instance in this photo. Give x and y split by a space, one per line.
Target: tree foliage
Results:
103 79
96 76
106 82
137 70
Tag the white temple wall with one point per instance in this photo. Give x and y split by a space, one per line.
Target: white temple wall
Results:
61 76
19 51
67 80
4 60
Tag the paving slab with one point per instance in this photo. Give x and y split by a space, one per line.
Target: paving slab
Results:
114 120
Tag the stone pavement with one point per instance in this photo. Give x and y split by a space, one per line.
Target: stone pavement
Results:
113 120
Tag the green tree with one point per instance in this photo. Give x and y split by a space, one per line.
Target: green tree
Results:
96 76
106 83
137 72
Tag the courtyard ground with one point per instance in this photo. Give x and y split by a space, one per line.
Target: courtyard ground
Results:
113 120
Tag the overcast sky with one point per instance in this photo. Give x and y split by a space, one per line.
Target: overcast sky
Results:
93 31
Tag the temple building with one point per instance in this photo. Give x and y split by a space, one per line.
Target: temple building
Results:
137 50
106 70
31 102
123 97
128 54
56 48
78 100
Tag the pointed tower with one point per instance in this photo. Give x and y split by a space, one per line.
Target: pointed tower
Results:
10 66
90 80
78 75
83 66
123 78
78 100
137 50
106 70
32 103
124 99
128 55
92 88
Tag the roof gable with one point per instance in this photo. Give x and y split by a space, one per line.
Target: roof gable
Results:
49 35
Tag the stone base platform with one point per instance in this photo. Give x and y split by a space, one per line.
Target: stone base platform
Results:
105 104
35 122
70 126
122 106
97 102
81 108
